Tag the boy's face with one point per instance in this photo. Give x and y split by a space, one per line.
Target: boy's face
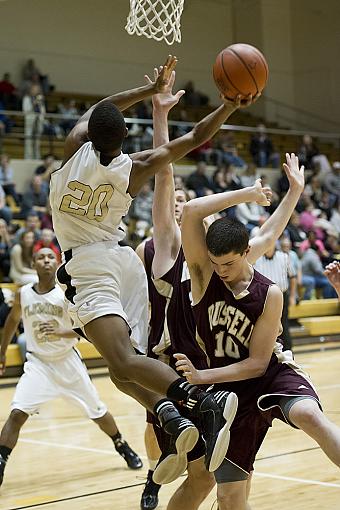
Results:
229 266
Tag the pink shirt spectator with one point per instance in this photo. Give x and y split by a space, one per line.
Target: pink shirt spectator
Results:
307 220
305 245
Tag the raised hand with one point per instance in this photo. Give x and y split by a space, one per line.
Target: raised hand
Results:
238 102
295 174
163 78
332 272
262 196
166 99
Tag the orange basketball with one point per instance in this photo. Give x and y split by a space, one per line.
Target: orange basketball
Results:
240 69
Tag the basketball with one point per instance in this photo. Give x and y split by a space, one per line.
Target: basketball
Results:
240 69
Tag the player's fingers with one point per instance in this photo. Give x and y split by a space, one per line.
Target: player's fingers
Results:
147 79
179 94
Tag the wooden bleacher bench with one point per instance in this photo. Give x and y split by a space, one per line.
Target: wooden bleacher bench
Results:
314 308
321 326
317 317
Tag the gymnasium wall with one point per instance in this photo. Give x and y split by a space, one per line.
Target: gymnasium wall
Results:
83 46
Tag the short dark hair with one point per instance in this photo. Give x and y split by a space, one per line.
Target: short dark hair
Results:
106 127
227 235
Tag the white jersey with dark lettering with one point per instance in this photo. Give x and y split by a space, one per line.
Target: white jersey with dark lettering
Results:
88 200
39 308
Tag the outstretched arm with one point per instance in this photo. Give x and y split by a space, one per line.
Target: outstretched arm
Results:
123 100
193 231
272 229
10 327
166 232
146 164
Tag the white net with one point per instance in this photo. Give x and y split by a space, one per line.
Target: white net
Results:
156 19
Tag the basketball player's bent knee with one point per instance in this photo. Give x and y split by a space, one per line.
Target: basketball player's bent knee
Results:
18 418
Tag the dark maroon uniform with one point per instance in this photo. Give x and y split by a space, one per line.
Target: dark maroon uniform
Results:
172 325
225 323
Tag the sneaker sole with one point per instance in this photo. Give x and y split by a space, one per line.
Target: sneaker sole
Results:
174 465
223 438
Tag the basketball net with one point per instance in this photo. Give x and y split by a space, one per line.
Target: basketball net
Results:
156 19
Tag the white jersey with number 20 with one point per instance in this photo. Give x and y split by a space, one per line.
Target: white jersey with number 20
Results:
88 200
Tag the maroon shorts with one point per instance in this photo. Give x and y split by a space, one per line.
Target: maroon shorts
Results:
258 406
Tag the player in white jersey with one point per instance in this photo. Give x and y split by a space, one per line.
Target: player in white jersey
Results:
89 194
54 367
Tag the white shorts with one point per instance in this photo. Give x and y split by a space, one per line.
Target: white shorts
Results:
67 377
107 279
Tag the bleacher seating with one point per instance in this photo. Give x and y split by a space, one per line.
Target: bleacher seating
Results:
14 146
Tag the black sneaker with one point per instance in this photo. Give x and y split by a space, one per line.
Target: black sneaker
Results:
149 499
2 468
173 462
217 411
130 457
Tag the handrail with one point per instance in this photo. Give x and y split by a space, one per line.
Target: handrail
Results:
231 127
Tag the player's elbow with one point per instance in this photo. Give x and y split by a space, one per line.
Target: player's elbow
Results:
259 368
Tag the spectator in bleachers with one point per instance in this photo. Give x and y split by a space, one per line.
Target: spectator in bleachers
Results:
32 224
226 150
282 184
4 309
335 216
47 241
249 175
303 282
198 180
295 232
33 106
5 123
35 198
249 214
8 93
21 271
307 216
5 246
5 211
193 97
46 169
46 217
141 211
327 203
7 178
332 180
309 156
314 189
219 181
68 110
232 179
31 74
312 266
262 150
312 242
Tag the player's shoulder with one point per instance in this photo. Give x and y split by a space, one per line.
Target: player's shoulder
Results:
274 297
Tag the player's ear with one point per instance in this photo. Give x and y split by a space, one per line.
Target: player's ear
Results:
126 132
247 250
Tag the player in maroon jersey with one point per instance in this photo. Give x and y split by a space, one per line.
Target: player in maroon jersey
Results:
237 312
172 325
